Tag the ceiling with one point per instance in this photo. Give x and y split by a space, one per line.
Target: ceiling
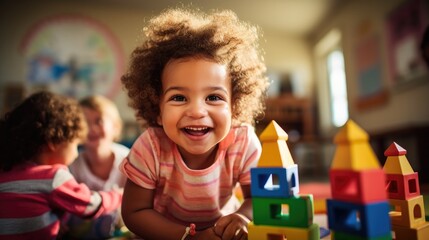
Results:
295 17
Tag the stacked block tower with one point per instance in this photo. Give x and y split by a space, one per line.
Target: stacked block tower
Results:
407 207
278 210
359 208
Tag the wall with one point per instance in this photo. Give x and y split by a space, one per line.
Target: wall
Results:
283 53
406 105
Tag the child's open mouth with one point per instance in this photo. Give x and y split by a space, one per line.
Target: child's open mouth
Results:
196 131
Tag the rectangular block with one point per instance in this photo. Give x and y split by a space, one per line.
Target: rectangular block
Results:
345 236
263 232
369 220
364 186
274 181
402 186
407 213
293 211
419 233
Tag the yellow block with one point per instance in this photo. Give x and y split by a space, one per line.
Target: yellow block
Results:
355 156
275 154
273 132
397 165
420 232
351 132
407 213
265 232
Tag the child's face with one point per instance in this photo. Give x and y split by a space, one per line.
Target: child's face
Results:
195 105
101 129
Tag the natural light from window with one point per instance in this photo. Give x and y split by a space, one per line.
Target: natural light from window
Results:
338 88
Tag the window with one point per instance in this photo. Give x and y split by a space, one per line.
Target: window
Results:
337 88
331 83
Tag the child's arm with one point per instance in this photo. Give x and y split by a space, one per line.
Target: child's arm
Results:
140 217
234 226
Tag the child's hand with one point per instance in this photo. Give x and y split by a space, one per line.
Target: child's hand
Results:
207 234
233 226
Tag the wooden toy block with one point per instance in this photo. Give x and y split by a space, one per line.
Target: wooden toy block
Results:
275 182
346 236
397 165
426 204
264 232
353 150
356 156
395 150
363 186
420 232
407 213
351 132
320 191
369 220
402 186
291 212
275 152
272 133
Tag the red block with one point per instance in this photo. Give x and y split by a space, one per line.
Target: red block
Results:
402 186
365 186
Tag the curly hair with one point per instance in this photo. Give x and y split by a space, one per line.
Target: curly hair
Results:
40 119
180 33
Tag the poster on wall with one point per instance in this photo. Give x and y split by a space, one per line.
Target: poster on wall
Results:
405 27
73 55
371 89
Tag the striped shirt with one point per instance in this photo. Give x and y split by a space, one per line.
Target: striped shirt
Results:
33 198
184 195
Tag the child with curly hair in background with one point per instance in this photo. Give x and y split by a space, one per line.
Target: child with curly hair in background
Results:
38 139
198 82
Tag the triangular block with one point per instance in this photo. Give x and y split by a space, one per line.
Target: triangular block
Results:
394 150
397 165
273 132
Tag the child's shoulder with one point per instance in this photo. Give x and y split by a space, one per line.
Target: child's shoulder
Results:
34 171
243 129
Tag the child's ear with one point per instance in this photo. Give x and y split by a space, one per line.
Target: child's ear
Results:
52 147
159 120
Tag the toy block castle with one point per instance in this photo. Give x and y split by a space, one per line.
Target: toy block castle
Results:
278 210
407 208
359 208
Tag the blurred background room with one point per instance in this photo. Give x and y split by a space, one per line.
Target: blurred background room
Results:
328 61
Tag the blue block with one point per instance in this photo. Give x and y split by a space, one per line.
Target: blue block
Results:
369 220
275 181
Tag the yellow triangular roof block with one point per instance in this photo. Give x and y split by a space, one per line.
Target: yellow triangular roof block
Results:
397 165
350 132
357 156
353 151
273 132
275 154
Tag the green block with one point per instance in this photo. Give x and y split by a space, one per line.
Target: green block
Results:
290 212
346 236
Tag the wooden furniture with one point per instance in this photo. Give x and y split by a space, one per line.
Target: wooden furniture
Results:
293 114
296 116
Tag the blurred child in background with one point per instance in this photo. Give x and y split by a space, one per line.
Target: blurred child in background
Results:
38 139
98 161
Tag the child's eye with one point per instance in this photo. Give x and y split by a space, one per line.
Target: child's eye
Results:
214 98
178 98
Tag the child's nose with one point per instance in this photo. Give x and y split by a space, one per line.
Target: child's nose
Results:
197 109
